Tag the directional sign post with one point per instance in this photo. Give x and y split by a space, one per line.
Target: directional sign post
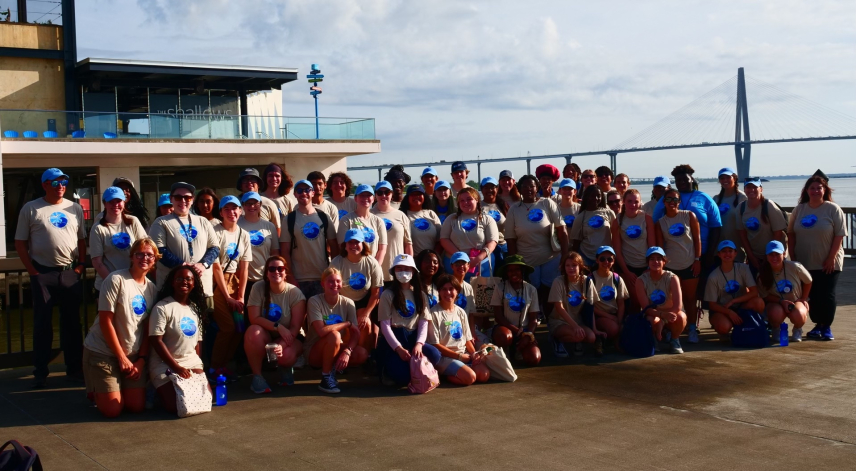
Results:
315 78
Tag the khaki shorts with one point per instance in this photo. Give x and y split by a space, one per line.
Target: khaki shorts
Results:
103 374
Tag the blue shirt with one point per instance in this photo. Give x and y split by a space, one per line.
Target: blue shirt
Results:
703 206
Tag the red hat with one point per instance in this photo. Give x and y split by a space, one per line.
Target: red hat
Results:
548 170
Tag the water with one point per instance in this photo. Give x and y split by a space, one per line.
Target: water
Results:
787 192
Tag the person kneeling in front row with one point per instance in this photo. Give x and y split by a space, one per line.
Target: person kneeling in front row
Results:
785 285
515 306
660 289
730 288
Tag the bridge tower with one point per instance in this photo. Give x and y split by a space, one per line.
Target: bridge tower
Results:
742 147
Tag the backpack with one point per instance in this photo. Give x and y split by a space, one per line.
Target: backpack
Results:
765 210
637 339
752 333
615 278
292 217
19 458
423 375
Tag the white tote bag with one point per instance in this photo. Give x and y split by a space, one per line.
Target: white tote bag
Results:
192 395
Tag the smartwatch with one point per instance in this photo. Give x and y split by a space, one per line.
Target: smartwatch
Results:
206 265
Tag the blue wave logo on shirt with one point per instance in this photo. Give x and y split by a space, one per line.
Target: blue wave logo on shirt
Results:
469 224
456 330
369 234
461 301
257 238
784 286
138 304
677 230
657 297
807 221
535 215
274 312
387 223
723 208
432 300
357 281
411 309
569 219
496 215
232 250
442 218
753 224
311 230
607 293
187 326
515 303
421 224
188 236
58 219
596 222
121 240
633 231
732 287
342 213
575 298
332 319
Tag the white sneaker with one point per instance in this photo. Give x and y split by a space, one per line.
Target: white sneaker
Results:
796 336
692 336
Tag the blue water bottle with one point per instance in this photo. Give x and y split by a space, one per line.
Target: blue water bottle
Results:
221 390
783 335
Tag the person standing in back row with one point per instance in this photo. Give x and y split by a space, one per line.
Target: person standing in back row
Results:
319 185
249 180
50 240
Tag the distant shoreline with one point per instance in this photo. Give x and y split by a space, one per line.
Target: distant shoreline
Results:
833 176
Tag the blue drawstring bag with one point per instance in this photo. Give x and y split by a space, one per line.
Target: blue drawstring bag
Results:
752 333
637 339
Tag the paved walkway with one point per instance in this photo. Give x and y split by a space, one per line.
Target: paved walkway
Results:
713 408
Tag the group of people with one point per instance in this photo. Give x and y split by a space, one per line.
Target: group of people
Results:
291 273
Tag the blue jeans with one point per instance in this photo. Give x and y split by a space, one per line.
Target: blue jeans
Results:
391 365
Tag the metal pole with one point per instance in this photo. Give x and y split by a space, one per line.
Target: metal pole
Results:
316 118
378 174
478 167
528 167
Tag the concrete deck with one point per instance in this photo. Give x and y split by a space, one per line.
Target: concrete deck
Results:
714 407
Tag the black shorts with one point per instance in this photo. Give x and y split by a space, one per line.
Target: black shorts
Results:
638 271
362 302
685 274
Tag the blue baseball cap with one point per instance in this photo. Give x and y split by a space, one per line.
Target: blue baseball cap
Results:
727 171
653 250
459 257
113 193
430 171
52 174
364 189
250 195
415 189
568 183
441 184
725 244
752 181
229 199
775 246
605 248
304 182
458 166
383 184
164 200
662 181
506 173
355 234
489 181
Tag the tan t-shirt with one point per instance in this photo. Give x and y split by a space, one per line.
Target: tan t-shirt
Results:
397 227
409 319
517 305
309 258
269 211
729 212
493 211
347 205
608 292
469 231
649 207
263 240
815 229
52 230
724 286
281 304
678 240
758 231
424 230
113 244
358 278
234 247
532 226
329 209
593 229
450 329
180 330
788 282
572 296
634 239
284 205
130 303
466 299
659 292
373 227
317 309
167 232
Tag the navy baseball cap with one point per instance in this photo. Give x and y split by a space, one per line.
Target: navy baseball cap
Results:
506 173
458 166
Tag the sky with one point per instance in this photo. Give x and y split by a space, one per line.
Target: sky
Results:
449 80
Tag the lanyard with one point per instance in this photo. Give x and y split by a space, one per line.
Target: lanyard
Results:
186 231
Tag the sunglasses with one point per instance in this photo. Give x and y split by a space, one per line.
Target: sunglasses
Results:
301 191
383 193
606 259
144 256
671 199
57 183
187 198
277 269
589 176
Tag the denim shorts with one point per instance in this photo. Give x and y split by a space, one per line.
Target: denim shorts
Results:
544 274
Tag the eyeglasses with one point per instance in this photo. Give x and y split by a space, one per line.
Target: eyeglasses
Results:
187 198
300 191
613 202
252 203
144 256
276 269
606 259
671 199
57 183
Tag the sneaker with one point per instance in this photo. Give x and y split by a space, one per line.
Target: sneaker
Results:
796 336
40 383
333 375
259 385
815 332
287 377
578 349
667 336
826 333
598 347
675 345
386 380
328 385
559 349
300 363
692 336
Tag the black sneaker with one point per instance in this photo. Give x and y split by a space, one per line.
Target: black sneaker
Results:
328 385
40 383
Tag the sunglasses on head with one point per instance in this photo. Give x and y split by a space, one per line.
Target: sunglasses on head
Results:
182 197
276 269
300 191
671 199
57 183
606 259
